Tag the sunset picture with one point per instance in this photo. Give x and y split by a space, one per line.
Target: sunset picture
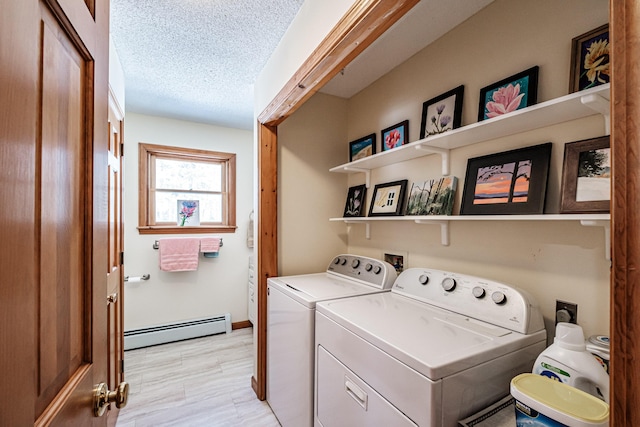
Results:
507 183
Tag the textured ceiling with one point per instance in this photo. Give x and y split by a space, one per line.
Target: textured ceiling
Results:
197 60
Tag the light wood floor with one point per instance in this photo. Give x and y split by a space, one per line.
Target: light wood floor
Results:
199 382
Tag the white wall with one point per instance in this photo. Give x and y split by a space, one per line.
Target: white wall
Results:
550 260
309 143
220 284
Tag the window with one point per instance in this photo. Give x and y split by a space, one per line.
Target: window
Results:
170 174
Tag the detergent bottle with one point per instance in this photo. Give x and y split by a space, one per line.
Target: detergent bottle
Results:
568 361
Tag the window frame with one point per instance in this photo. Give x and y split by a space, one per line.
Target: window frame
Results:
146 154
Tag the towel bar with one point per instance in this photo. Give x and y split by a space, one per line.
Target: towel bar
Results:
156 244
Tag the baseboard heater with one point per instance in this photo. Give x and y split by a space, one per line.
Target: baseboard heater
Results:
145 337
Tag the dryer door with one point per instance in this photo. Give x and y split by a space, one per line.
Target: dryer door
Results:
343 399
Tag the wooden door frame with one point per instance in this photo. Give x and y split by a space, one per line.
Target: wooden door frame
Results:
625 220
362 24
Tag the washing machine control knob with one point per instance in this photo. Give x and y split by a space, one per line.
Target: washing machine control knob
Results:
336 261
343 261
377 269
448 284
498 297
355 263
478 292
368 267
424 279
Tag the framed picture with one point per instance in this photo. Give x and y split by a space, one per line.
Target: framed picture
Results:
512 182
586 176
395 136
355 201
590 59
388 198
188 212
363 147
510 94
442 113
432 197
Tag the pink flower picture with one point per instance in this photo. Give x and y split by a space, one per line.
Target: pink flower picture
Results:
395 136
508 95
504 100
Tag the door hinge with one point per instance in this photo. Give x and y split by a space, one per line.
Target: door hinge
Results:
122 148
122 366
122 258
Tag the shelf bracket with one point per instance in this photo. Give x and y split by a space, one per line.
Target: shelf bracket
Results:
600 105
606 225
367 173
444 153
444 229
367 229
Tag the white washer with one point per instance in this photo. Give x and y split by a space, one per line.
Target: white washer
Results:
437 348
291 303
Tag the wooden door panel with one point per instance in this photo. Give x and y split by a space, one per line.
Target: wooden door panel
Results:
62 212
53 83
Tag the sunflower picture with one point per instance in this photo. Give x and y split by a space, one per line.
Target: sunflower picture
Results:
590 59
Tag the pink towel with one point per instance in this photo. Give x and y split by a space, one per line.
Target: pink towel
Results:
210 244
178 254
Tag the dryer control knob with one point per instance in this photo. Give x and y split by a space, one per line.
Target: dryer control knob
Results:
355 263
377 269
478 292
336 261
498 297
368 267
448 284
424 279
343 261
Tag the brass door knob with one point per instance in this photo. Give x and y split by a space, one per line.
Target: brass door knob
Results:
102 397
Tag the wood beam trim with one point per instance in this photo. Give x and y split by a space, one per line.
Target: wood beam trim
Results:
365 21
625 275
267 242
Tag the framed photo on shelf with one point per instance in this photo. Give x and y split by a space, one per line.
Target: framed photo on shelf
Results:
363 147
586 176
590 59
442 113
511 182
510 94
395 136
432 197
388 198
356 197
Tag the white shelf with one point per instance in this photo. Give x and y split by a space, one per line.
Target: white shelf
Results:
566 108
597 220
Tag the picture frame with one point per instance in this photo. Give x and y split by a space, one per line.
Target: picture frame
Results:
362 147
507 183
590 65
442 113
388 198
586 176
188 212
508 95
432 197
394 136
355 204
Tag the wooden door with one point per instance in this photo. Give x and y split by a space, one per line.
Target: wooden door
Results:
53 210
115 277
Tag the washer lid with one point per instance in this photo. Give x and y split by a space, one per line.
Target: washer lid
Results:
431 340
307 289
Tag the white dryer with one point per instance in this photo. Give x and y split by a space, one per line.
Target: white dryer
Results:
437 348
291 303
